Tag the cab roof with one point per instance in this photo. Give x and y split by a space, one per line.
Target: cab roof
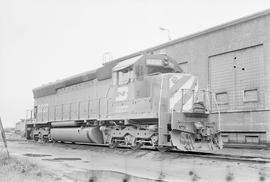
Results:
126 63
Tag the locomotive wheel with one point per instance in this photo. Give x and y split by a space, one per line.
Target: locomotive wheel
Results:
35 138
53 141
30 134
40 138
154 140
113 144
136 145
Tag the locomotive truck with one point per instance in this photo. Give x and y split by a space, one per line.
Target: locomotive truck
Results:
144 101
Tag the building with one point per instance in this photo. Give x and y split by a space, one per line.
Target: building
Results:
233 61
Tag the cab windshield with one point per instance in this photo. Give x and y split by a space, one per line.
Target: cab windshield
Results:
156 66
156 70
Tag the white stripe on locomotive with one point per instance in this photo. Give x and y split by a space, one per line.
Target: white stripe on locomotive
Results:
177 96
187 107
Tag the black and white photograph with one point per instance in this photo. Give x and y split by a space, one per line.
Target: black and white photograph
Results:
134 91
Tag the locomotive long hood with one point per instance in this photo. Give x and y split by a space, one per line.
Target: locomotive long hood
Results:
50 88
102 73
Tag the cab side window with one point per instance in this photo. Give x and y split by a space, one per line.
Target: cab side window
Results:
139 72
123 76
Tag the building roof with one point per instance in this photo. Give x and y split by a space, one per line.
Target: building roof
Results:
210 30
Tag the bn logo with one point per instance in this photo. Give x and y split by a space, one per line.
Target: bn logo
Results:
121 93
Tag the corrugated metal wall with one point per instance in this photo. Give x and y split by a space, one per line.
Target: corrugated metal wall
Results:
237 78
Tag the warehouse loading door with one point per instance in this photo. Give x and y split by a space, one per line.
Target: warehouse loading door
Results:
250 78
222 80
237 78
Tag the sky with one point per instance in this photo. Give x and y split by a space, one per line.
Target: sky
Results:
42 41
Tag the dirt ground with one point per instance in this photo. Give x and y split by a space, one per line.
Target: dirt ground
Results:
17 169
91 163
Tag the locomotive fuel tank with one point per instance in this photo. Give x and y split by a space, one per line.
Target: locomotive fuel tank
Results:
80 135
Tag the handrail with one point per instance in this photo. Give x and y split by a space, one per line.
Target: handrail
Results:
160 95
218 109
159 106
205 98
210 94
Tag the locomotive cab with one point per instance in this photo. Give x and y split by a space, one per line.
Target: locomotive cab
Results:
136 84
137 69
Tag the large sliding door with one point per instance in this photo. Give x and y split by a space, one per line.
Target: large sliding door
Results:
237 78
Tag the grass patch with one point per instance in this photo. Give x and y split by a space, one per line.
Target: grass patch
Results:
21 170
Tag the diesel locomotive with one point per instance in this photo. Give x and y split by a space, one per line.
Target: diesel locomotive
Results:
144 101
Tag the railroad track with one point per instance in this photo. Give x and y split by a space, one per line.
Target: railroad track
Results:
230 157
246 146
218 156
226 157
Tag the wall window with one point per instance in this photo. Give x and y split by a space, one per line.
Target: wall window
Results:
252 139
250 95
222 98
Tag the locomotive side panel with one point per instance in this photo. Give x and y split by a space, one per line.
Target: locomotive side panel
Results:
83 108
52 112
43 108
93 109
58 112
68 103
73 101
104 89
65 112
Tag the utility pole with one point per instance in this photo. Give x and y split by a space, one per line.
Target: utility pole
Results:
3 137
